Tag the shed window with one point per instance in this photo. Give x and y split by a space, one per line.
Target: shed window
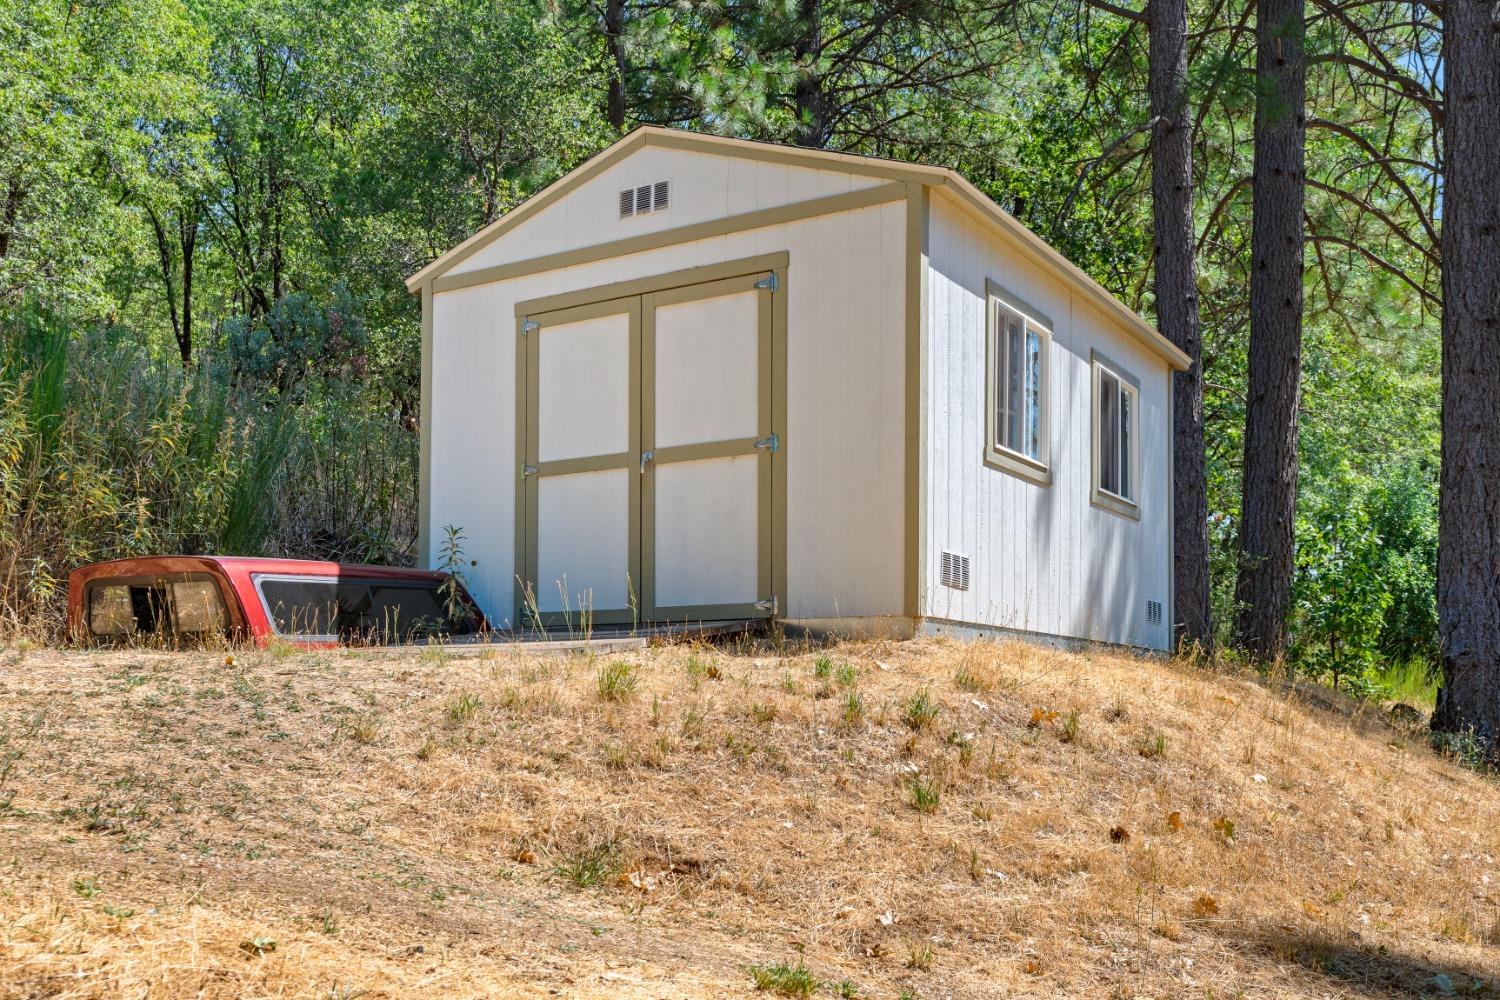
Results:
1016 421
1116 451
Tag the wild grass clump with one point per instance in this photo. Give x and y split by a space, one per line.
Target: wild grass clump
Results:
919 711
925 795
590 867
784 979
617 681
462 708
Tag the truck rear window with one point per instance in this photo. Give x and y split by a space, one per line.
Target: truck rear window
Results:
125 608
368 610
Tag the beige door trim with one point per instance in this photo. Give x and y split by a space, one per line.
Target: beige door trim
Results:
532 470
768 465
424 437
654 283
639 299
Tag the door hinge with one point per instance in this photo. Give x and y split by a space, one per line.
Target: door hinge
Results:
527 325
770 604
527 470
769 282
773 442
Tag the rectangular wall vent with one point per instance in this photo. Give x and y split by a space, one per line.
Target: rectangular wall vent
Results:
955 571
644 199
1153 612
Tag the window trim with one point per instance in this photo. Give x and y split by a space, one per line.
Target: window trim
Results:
997 456
1100 497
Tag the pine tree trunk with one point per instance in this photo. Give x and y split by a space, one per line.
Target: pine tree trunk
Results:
808 99
1468 580
614 40
1268 505
1177 312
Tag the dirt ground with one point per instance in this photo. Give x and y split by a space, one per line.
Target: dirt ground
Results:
925 819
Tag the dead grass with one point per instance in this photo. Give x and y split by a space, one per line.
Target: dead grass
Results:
345 824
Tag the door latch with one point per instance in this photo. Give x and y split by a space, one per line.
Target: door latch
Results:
646 456
773 443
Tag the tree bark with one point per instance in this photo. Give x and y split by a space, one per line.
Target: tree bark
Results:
14 195
1268 506
1468 577
614 40
1177 312
808 97
187 225
164 261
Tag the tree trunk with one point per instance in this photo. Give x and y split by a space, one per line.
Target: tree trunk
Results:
614 40
188 219
1468 578
164 261
14 195
808 98
1177 312
1268 505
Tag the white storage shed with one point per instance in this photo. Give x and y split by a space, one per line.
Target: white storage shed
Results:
703 379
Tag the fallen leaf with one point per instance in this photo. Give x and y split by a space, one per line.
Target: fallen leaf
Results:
1174 821
524 856
1205 906
258 945
1032 967
1225 825
1119 835
642 881
1040 716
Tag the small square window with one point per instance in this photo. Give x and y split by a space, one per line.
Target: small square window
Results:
1017 346
1116 436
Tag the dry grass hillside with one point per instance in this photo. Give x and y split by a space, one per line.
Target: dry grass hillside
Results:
919 819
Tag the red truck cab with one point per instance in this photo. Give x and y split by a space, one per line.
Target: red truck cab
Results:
228 598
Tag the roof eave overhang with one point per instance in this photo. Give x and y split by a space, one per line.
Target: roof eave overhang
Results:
964 192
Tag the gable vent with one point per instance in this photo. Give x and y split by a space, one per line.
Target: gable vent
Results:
955 571
1153 612
646 198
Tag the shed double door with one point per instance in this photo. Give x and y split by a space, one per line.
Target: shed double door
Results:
650 457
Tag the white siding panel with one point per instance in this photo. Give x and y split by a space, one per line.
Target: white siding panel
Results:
704 186
1044 559
844 448
473 437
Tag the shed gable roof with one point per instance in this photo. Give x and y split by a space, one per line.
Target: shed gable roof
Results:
953 184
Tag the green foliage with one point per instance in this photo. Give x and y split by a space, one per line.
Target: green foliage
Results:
1340 594
784 978
96 464
617 680
297 340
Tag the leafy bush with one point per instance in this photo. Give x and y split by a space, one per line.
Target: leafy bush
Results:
298 342
107 453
